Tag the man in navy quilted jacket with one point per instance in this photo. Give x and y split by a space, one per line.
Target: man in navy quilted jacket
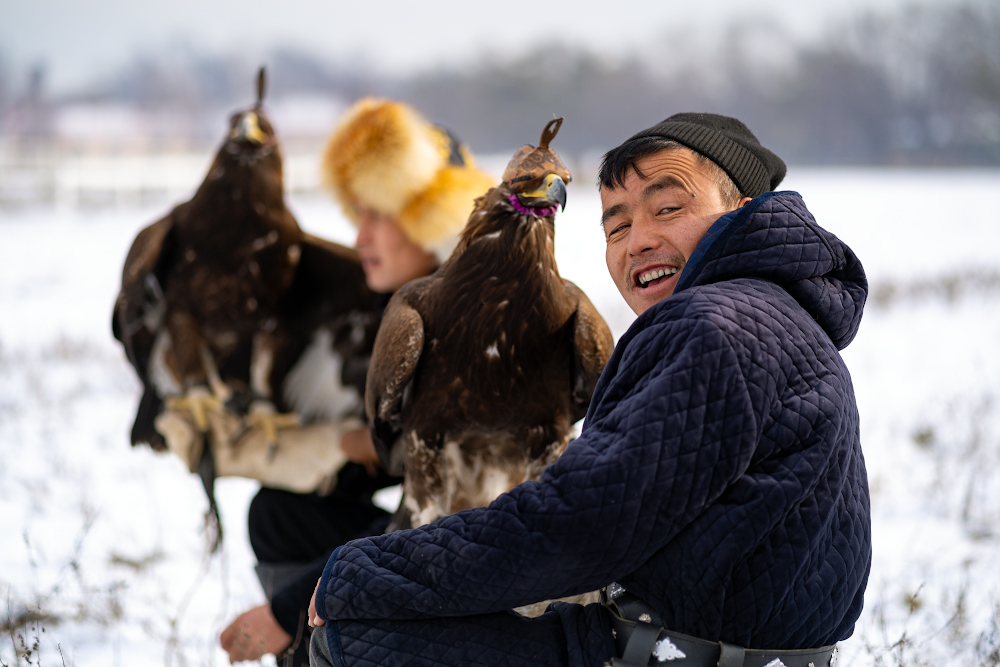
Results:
717 493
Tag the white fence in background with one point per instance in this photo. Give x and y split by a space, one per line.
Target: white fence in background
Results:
98 180
48 174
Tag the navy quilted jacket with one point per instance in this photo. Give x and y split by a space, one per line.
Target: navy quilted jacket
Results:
719 476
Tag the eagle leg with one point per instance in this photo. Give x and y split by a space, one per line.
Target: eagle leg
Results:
220 389
199 400
262 413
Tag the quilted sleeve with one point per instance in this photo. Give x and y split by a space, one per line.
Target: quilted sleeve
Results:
673 426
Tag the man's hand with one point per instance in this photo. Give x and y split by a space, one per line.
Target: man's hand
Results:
253 634
314 619
358 447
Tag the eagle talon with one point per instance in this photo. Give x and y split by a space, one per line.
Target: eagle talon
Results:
198 402
262 415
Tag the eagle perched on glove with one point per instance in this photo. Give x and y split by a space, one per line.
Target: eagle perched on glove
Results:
239 324
480 370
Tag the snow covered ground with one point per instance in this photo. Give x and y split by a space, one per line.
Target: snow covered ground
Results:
101 550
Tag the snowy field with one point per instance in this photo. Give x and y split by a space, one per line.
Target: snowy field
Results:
102 555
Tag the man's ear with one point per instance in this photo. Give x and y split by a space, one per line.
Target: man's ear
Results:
743 202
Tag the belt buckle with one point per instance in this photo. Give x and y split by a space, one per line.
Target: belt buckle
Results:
614 590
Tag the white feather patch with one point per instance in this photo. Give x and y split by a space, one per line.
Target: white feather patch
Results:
160 373
313 387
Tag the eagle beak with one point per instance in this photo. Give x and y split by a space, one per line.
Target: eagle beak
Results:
249 129
553 191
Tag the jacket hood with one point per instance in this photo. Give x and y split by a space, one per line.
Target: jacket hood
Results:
774 237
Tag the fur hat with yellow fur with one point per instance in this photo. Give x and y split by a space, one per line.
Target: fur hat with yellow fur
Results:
384 156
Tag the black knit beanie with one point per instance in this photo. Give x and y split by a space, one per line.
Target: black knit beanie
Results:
728 143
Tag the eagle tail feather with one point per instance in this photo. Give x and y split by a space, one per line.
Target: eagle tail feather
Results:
143 429
206 471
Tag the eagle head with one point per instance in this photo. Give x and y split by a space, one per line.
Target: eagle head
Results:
251 135
536 177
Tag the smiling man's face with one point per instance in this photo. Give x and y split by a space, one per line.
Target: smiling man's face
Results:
654 223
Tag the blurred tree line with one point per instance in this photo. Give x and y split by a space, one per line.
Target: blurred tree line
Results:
920 85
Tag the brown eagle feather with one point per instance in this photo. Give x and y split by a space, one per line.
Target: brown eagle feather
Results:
480 370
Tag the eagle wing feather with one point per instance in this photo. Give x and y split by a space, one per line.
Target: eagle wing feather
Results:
592 345
328 292
398 347
138 314
328 279
137 296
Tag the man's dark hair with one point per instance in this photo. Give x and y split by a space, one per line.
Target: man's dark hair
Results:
722 141
618 162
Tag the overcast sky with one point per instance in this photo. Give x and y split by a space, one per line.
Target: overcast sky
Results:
79 40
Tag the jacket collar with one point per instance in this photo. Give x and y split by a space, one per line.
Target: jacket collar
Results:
774 237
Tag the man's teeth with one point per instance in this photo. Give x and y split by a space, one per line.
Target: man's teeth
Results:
658 273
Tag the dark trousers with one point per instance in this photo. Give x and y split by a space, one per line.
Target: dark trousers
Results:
293 535
290 527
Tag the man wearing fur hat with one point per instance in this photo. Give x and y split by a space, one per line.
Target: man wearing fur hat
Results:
718 490
409 187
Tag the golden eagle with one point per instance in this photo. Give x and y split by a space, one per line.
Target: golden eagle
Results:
227 305
480 370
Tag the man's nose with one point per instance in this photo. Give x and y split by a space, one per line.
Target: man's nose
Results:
643 236
364 231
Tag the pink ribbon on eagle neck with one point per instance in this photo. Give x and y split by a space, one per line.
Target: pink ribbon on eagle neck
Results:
534 212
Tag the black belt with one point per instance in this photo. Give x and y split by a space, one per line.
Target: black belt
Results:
644 641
